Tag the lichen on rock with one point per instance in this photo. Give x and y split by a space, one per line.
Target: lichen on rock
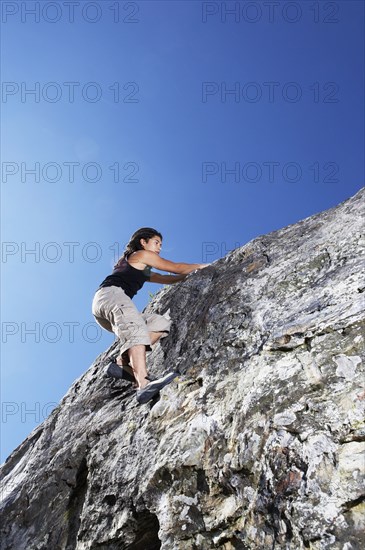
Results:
260 441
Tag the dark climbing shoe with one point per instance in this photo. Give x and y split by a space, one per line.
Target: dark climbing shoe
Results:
123 373
151 390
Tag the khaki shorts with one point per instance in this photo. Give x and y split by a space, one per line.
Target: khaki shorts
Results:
114 311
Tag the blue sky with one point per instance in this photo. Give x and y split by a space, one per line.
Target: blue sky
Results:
142 96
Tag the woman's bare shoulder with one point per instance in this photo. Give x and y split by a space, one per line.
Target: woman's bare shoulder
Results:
139 255
139 258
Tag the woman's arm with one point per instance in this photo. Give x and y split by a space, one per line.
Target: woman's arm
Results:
166 279
152 259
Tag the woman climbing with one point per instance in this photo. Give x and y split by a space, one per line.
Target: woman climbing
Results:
114 310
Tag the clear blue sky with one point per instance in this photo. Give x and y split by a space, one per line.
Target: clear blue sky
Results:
293 130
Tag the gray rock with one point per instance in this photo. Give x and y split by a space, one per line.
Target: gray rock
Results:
259 443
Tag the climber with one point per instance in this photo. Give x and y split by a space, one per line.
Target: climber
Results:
114 310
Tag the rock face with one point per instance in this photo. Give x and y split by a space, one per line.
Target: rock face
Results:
260 442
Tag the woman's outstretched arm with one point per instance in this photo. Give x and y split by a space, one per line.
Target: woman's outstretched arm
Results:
166 279
152 259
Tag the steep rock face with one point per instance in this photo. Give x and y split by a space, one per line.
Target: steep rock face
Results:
260 442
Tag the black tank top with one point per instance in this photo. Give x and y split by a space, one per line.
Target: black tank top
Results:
129 278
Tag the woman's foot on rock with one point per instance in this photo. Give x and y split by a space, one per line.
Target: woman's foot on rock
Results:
122 372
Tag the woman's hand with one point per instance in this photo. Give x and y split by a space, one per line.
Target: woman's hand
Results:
199 266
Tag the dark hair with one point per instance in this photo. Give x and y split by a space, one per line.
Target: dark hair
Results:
134 244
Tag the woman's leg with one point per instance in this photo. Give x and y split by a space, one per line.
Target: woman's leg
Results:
124 360
155 336
137 356
136 333
131 330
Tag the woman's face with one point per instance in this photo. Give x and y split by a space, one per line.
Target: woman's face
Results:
153 244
